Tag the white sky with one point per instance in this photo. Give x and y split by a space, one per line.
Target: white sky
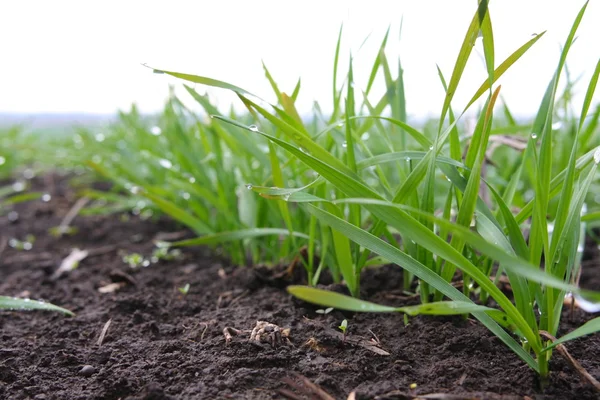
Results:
84 56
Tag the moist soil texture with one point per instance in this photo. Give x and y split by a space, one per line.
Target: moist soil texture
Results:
162 344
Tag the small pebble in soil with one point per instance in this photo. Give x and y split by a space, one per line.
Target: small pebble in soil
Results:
87 371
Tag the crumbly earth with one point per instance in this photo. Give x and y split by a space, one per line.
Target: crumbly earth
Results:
163 345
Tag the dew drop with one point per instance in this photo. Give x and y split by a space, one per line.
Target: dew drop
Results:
134 190
365 136
46 197
557 125
345 144
13 216
286 196
27 246
192 179
100 137
302 149
155 130
407 159
340 124
145 263
186 195
597 156
534 135
18 186
28 174
253 128
249 186
431 147
165 163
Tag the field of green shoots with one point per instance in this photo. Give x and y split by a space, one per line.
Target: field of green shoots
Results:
364 186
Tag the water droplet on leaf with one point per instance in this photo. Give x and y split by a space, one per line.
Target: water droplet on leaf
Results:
165 163
18 186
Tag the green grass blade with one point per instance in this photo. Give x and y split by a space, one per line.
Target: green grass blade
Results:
178 213
455 149
336 58
232 236
377 62
326 298
463 57
488 40
588 328
296 90
343 254
503 67
589 94
339 301
205 81
16 304
272 83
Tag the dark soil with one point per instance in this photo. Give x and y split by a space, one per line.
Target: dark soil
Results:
164 345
